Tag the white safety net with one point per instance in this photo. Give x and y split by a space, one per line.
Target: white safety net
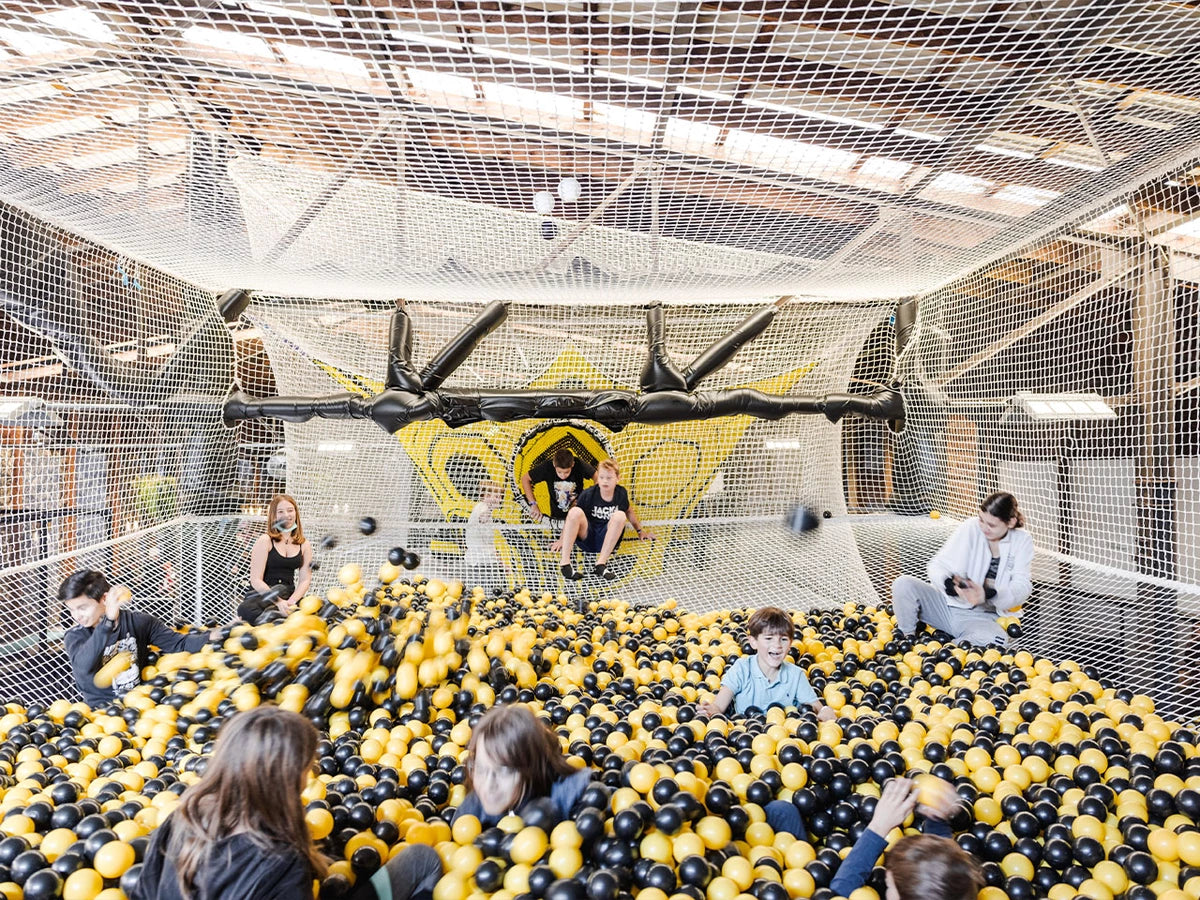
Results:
534 148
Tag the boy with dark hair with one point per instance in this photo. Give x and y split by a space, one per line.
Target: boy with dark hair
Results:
104 630
563 476
766 679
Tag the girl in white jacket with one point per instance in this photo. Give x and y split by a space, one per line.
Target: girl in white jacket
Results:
980 574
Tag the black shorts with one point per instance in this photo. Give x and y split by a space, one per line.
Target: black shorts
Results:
594 541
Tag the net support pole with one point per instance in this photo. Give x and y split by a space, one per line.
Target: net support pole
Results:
198 612
1154 638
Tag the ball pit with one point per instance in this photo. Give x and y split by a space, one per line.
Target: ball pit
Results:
1068 786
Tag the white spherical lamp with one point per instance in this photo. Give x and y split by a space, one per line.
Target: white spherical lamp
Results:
569 190
543 202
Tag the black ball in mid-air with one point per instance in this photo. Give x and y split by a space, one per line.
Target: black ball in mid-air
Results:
396 556
801 520
367 525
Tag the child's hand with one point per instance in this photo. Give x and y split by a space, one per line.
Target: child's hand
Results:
936 798
707 708
114 598
970 591
895 805
826 714
645 534
556 544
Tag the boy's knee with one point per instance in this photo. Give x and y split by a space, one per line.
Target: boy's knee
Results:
575 514
619 520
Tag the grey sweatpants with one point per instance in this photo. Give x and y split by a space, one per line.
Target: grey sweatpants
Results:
916 601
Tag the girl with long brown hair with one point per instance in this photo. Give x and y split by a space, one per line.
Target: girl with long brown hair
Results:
280 563
240 833
513 760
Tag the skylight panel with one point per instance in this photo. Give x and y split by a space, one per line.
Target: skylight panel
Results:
953 183
693 138
539 102
1005 151
302 9
879 168
441 87
636 72
101 158
62 127
1112 221
782 155
82 22
29 44
91 81
1071 163
169 147
1025 195
623 123
330 60
228 41
32 90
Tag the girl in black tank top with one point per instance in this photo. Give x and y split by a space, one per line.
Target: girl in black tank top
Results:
278 578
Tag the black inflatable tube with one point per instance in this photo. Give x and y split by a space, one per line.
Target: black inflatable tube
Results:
400 372
660 372
460 346
391 410
722 351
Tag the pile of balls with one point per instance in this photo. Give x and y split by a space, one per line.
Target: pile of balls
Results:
1068 786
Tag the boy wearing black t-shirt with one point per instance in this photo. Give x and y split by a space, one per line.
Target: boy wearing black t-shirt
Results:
563 476
597 522
104 629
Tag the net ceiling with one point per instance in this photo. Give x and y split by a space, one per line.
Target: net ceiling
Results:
621 150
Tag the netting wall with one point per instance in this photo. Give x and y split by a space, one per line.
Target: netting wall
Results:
1109 309
717 489
111 381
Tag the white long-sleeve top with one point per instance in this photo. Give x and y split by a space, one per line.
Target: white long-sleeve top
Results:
968 555
481 537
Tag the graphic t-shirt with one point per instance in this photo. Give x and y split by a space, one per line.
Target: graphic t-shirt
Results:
89 649
563 491
597 509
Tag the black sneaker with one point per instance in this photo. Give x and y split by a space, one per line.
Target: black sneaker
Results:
570 574
603 571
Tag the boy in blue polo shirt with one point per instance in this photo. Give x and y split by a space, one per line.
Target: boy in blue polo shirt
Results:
766 679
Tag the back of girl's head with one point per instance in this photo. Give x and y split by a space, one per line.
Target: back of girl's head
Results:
1003 506
252 785
925 867
517 739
